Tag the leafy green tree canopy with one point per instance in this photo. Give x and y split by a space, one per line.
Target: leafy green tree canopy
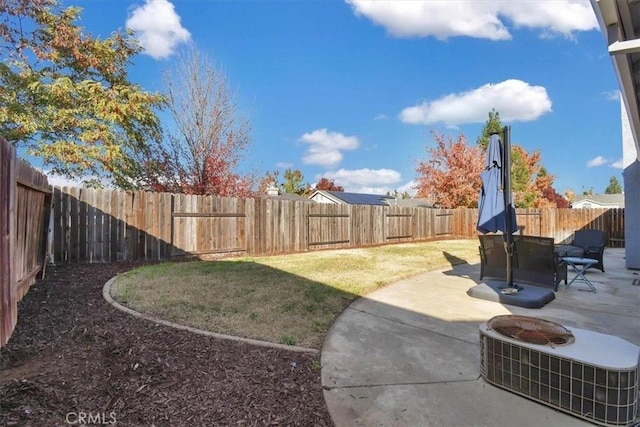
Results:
614 186
65 95
293 182
492 125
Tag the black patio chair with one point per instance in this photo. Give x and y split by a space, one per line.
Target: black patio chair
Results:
535 261
586 244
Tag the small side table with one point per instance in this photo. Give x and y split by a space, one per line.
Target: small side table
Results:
580 265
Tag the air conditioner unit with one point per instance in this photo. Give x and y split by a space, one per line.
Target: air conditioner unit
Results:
595 377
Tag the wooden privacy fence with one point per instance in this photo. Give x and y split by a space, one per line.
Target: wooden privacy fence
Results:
109 225
25 200
557 223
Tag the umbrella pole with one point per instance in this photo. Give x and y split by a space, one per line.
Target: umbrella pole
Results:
508 220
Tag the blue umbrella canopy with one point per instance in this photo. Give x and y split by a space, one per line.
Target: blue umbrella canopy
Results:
491 206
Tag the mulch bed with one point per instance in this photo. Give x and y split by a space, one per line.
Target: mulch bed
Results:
74 355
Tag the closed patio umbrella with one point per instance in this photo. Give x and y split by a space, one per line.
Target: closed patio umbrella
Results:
491 206
495 196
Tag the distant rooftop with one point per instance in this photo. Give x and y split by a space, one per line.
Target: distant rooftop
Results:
287 196
359 198
410 203
370 199
602 199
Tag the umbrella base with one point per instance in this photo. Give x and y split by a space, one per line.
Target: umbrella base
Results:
524 295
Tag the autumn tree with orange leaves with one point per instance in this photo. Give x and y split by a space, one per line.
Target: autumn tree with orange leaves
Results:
450 176
328 185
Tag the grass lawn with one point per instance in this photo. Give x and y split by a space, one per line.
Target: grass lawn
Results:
290 299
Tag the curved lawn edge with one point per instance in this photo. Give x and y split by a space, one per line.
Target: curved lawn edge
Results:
106 294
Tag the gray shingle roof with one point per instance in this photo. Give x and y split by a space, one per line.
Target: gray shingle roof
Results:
289 196
360 198
410 203
354 198
603 199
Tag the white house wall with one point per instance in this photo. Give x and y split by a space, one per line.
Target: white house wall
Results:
631 179
322 199
620 21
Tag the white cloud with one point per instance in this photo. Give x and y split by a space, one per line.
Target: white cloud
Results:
369 181
325 147
553 17
514 99
364 177
381 117
284 165
409 188
473 18
79 182
369 190
612 95
597 161
618 164
62 181
157 27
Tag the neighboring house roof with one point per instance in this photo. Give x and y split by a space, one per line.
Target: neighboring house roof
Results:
341 197
410 203
600 200
288 196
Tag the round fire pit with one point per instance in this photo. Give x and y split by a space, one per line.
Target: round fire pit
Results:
531 330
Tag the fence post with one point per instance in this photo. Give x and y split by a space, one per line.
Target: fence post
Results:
8 297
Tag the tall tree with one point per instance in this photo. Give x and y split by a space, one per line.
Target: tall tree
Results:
548 196
530 187
492 125
65 95
328 185
450 176
207 137
614 186
293 182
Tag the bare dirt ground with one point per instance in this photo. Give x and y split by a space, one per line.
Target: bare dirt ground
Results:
72 355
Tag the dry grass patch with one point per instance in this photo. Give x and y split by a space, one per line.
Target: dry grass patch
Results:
291 299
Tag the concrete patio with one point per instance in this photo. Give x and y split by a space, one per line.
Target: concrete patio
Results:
409 354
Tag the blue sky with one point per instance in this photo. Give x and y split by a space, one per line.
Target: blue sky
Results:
351 90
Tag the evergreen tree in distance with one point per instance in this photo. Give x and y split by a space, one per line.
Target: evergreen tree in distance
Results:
614 186
492 125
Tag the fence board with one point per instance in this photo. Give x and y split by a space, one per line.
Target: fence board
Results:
8 299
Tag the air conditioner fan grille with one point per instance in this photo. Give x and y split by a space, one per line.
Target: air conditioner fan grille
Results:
531 330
